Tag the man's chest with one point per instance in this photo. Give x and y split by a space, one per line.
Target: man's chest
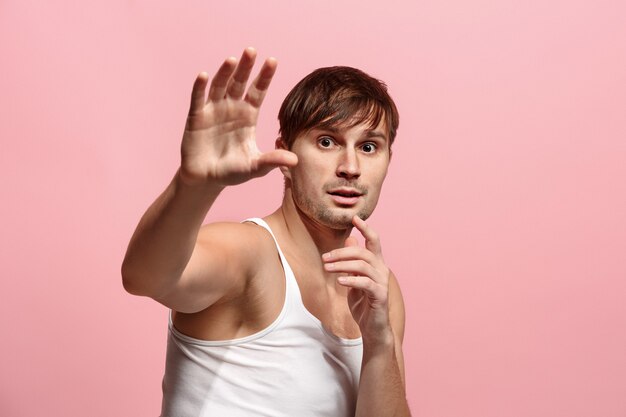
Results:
326 302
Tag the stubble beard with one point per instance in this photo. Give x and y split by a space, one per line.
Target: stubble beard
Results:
334 218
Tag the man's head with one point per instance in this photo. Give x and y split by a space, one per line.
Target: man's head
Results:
340 122
336 97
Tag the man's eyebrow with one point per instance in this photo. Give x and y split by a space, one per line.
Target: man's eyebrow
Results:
375 133
328 129
369 134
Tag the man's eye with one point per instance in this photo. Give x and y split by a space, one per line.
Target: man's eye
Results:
325 142
368 147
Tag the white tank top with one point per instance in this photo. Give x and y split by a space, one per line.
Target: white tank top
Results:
294 367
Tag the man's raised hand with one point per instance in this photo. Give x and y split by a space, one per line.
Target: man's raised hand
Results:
219 144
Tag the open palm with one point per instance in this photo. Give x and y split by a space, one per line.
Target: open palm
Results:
219 143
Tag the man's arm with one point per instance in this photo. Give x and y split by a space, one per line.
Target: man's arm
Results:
382 388
376 304
170 257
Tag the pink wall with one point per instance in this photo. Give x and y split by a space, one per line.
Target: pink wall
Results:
503 215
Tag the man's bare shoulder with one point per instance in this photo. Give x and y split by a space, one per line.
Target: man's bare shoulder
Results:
239 233
226 257
245 242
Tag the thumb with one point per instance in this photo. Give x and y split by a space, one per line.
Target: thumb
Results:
351 241
272 159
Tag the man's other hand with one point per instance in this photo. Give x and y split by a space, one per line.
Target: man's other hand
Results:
367 276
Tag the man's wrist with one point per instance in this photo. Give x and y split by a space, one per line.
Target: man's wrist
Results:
203 189
383 343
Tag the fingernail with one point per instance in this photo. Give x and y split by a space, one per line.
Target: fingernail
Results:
329 266
326 256
342 280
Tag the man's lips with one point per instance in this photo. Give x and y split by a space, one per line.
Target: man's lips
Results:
345 196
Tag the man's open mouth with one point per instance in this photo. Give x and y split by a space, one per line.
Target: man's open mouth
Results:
346 193
345 196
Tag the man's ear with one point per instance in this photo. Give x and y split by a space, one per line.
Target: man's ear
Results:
280 144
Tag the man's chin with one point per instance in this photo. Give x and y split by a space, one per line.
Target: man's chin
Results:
341 224
340 220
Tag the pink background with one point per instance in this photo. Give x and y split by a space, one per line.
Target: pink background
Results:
504 213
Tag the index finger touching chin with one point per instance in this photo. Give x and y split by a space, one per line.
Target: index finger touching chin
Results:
372 242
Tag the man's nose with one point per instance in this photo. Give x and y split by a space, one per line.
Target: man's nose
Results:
348 166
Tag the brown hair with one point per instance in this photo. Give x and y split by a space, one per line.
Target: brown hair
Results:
336 96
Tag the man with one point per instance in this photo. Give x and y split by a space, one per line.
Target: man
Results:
286 315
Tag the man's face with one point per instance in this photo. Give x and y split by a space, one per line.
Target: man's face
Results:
340 172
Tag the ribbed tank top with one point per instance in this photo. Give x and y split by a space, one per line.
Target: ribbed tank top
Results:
294 367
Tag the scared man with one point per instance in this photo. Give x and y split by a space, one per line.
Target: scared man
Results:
285 315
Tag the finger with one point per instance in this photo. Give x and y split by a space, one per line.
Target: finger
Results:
365 284
356 267
220 80
198 92
372 241
349 253
273 159
258 88
237 83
